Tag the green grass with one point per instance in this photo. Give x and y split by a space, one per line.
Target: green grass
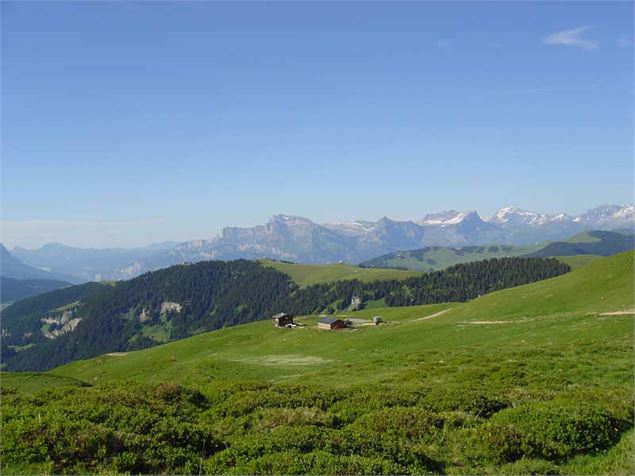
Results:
545 369
584 237
157 332
307 274
33 382
619 460
441 258
436 258
556 314
576 261
68 306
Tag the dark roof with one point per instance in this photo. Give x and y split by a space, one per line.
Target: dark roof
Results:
281 314
328 320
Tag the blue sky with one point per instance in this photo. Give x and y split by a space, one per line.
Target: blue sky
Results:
130 123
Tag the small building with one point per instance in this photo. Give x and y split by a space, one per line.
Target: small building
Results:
330 323
282 319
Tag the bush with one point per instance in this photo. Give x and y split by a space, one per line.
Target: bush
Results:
395 433
529 467
318 462
475 401
550 430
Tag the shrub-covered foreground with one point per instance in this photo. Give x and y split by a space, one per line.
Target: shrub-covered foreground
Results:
260 428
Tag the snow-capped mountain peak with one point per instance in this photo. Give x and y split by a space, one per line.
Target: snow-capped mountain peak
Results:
359 227
604 214
513 215
448 217
626 212
560 217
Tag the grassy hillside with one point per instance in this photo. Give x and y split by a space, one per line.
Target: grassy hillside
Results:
181 301
437 257
33 382
534 313
307 274
578 260
602 243
598 243
536 379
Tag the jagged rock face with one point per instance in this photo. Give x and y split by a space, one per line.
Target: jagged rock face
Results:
60 324
168 306
283 237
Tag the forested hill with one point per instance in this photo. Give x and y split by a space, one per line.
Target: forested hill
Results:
600 243
433 258
461 282
12 290
64 325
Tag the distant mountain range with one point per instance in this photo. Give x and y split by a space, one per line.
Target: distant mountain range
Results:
86 264
18 280
10 267
302 240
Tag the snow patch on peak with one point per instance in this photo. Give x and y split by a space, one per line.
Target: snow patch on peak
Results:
359 227
609 215
626 212
561 217
448 217
513 215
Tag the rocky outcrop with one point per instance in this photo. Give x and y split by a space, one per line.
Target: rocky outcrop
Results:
169 306
60 325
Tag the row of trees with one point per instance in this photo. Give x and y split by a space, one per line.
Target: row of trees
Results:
461 282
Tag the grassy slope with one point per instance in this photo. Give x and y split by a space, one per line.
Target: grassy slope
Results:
306 274
576 261
584 237
534 345
32 382
541 325
446 257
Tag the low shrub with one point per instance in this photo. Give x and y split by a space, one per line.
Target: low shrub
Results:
461 398
550 430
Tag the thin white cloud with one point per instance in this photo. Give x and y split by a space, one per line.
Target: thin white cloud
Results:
572 37
624 42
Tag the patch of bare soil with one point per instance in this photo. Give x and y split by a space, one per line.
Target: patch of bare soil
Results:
431 316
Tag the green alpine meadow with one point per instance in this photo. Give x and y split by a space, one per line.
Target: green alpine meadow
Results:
330 238
534 379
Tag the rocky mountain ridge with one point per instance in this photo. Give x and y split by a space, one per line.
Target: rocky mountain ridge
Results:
299 239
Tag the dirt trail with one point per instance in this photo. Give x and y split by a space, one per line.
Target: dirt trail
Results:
618 313
117 354
431 316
